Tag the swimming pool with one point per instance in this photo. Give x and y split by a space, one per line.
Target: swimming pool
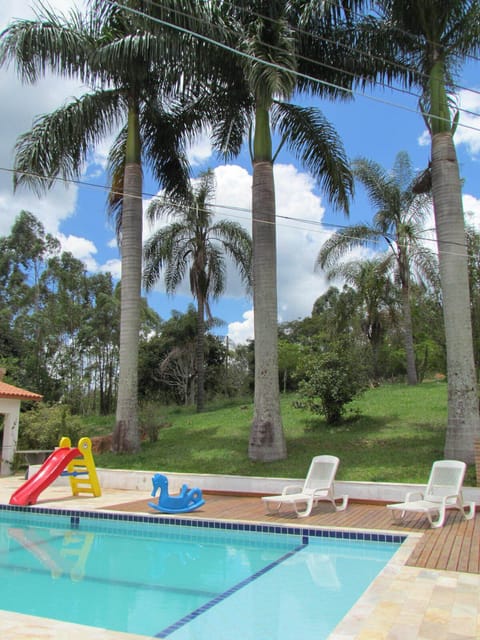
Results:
184 579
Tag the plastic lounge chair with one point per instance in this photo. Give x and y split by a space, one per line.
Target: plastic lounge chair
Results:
444 491
319 485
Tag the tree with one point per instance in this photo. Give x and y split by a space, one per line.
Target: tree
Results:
252 100
330 379
24 255
197 243
129 69
473 245
432 39
398 221
374 292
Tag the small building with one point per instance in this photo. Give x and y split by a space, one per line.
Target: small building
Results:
10 399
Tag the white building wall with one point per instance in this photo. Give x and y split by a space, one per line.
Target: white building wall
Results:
11 411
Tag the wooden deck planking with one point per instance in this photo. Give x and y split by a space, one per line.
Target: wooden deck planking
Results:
453 547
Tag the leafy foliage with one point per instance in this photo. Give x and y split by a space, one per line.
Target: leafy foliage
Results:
44 425
329 381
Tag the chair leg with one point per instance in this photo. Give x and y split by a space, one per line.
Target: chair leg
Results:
468 510
343 505
307 511
274 509
441 518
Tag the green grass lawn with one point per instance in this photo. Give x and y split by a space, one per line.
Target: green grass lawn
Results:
392 433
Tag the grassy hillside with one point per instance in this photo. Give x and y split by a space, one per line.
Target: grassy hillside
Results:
392 433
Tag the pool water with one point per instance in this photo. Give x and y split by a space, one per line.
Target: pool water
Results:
183 582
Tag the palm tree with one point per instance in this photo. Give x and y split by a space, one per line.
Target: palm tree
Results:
251 101
194 241
433 39
397 220
129 69
374 292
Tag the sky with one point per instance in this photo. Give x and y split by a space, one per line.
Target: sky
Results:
375 126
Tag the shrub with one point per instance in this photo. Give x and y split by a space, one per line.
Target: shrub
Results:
329 381
43 426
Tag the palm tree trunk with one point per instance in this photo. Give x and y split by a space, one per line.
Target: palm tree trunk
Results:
200 355
463 413
408 337
267 441
126 435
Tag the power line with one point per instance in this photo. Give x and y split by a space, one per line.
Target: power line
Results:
310 225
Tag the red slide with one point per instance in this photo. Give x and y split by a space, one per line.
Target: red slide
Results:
48 472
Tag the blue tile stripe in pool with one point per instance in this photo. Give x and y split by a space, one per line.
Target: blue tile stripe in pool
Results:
305 532
208 605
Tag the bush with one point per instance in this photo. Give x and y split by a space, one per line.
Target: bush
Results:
43 426
329 381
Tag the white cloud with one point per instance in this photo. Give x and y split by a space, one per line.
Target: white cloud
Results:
80 248
470 137
200 150
467 133
471 207
242 331
113 266
424 140
20 105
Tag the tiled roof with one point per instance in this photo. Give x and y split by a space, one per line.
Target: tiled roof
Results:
15 393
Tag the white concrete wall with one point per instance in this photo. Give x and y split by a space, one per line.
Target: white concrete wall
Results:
142 480
11 410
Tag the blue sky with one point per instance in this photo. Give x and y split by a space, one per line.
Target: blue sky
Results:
374 128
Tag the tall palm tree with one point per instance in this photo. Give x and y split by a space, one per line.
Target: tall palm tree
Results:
197 243
129 69
433 39
251 100
398 220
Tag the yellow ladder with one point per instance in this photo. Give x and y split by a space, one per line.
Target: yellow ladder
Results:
82 471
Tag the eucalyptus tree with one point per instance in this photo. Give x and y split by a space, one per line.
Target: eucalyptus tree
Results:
197 243
129 68
432 40
399 221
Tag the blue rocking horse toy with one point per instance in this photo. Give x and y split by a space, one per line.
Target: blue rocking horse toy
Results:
187 500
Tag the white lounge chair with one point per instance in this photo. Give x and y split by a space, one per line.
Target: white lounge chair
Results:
318 485
444 491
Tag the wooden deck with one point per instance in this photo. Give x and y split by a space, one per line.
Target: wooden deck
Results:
454 547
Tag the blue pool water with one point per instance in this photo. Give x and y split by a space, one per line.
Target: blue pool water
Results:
162 579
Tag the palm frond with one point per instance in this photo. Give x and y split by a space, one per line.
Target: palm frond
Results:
377 182
343 241
116 171
58 143
51 41
164 150
314 141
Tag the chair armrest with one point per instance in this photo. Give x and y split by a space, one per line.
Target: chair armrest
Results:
320 490
292 488
456 497
413 495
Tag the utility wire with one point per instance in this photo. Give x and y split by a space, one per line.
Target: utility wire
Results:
310 225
